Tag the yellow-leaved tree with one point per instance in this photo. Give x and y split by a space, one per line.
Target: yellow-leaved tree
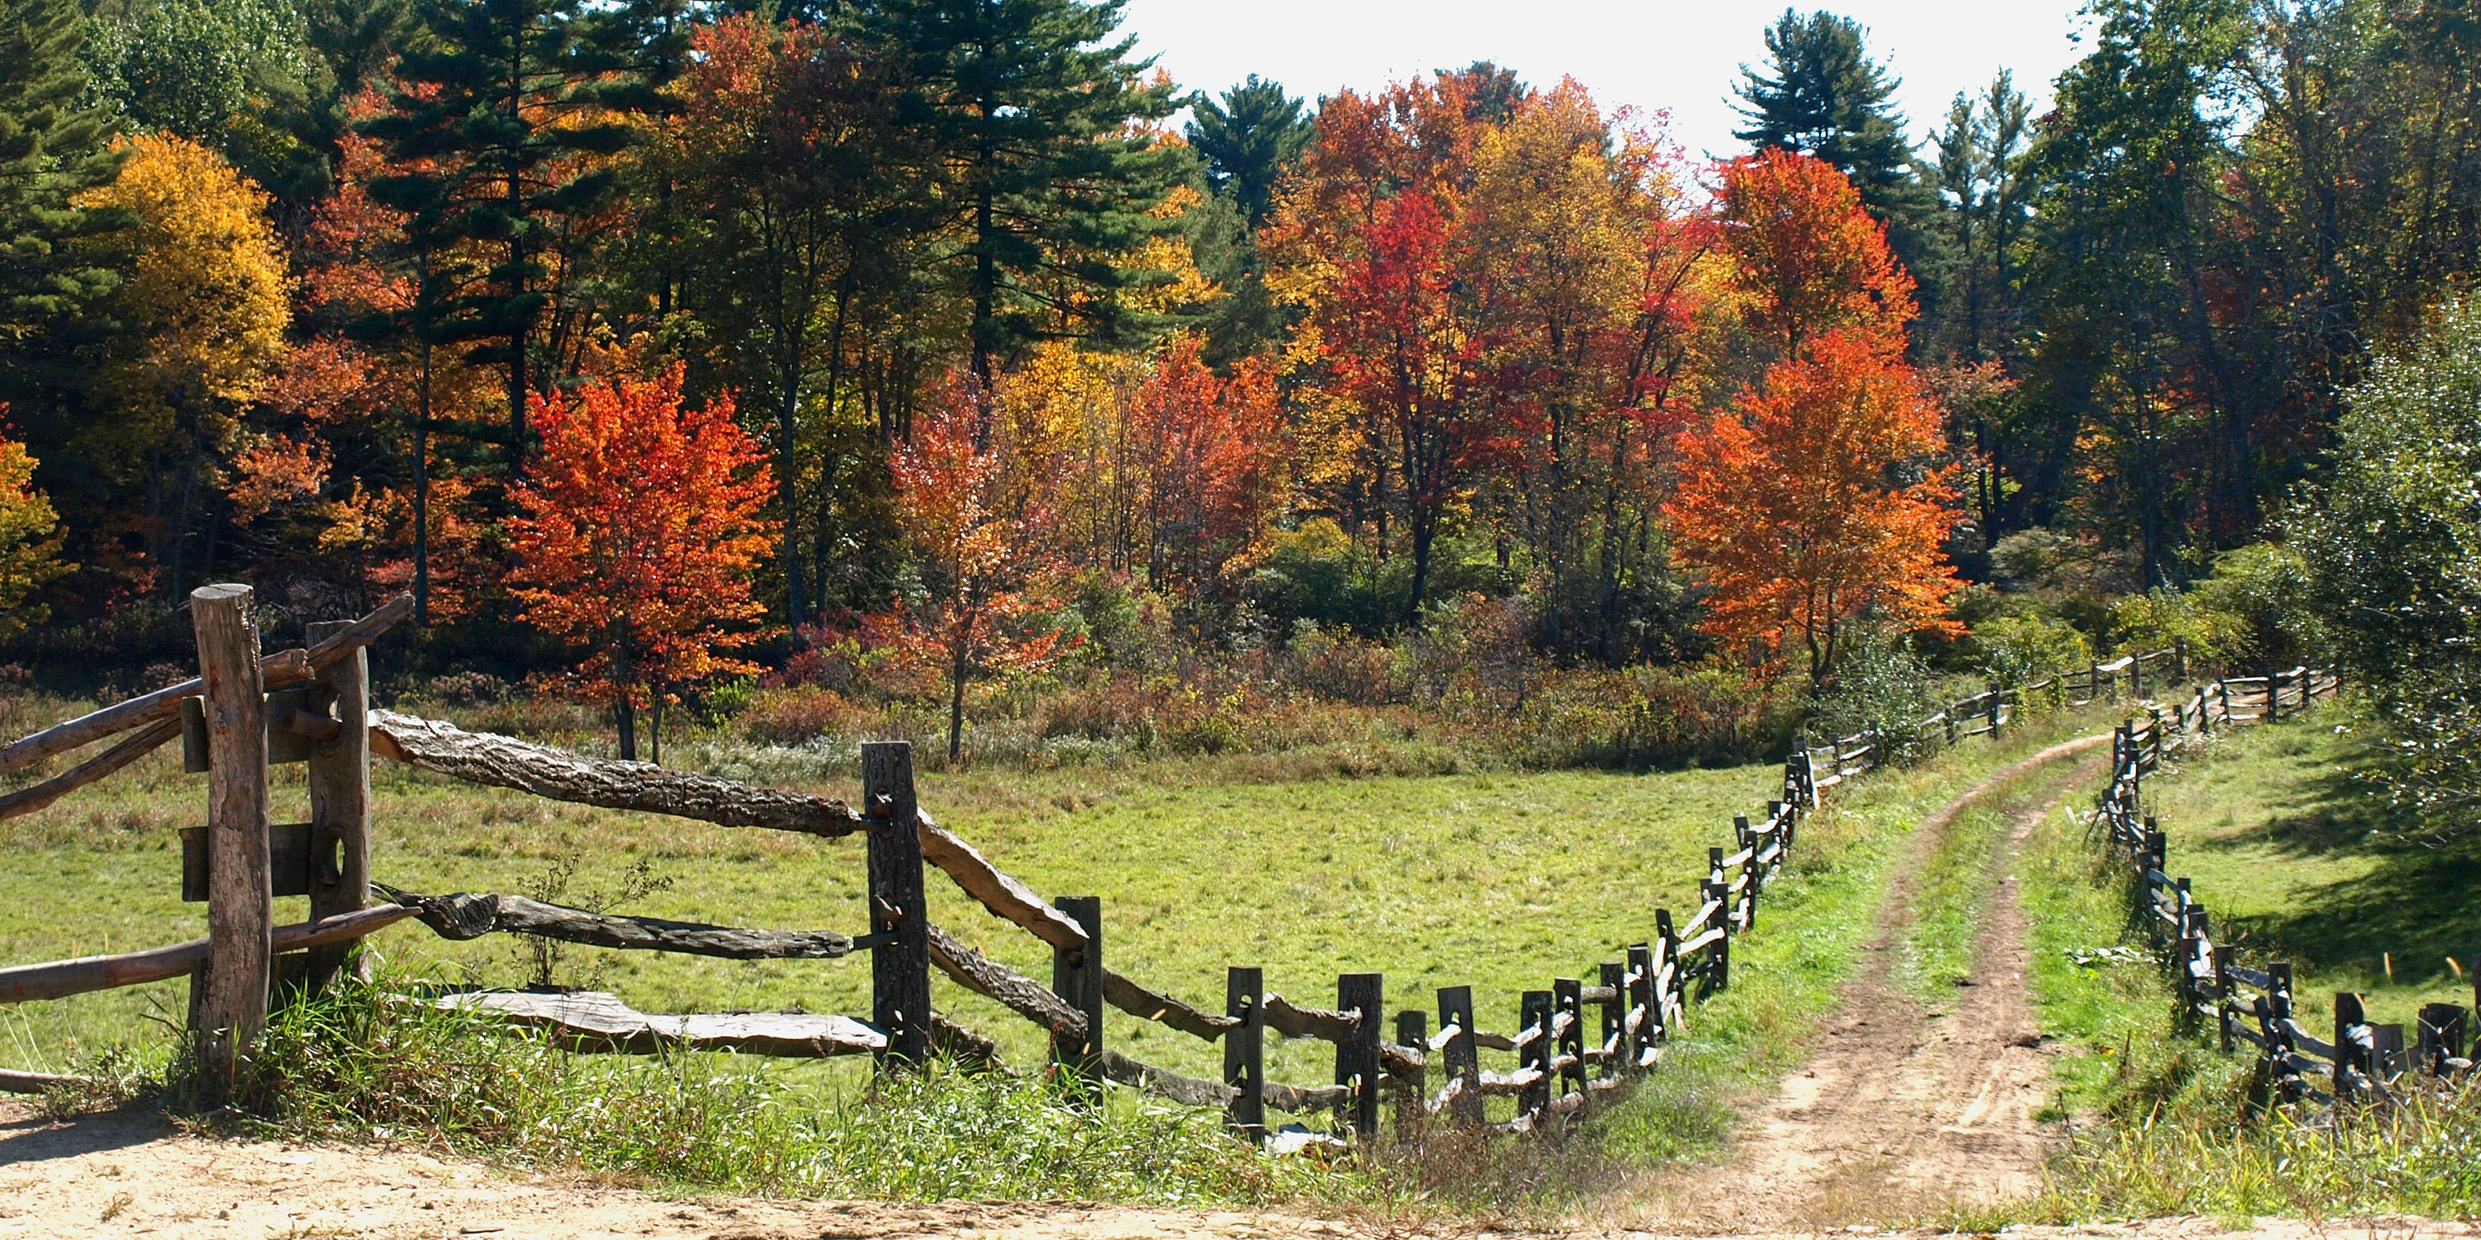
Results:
203 312
29 541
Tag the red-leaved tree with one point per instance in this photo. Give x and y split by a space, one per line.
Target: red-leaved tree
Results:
977 530
635 536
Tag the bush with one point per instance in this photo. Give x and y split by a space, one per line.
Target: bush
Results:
2020 649
1880 682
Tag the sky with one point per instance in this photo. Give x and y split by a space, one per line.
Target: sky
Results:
1654 54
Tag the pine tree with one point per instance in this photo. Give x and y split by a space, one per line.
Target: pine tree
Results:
50 149
502 106
1826 98
1248 140
1040 116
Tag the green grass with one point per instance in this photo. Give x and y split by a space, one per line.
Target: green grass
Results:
2278 842
1502 881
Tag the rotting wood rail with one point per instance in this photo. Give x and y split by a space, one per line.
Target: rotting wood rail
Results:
2366 1063
1634 1004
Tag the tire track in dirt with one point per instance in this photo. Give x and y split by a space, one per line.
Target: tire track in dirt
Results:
1901 1109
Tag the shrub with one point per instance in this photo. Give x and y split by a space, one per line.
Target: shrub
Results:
2020 649
1881 682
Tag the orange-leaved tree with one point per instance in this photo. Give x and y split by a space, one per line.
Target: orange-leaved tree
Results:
976 525
1806 258
635 537
1806 504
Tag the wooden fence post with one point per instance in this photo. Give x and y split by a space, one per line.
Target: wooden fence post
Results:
1643 1002
1077 978
2348 1054
1994 703
229 1003
1244 1051
339 779
2274 697
1748 868
2179 658
1412 1092
2441 1036
2224 957
1533 1014
1667 933
1356 1061
899 970
1614 1018
1568 1014
1464 1059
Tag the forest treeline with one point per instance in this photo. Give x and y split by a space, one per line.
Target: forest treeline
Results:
676 354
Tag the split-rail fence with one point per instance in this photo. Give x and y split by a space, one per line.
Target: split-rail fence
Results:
246 710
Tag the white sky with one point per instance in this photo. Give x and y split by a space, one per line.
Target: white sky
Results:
1655 54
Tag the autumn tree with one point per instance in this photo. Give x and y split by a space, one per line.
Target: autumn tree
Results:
1399 324
635 538
30 542
1803 505
1805 257
797 198
977 534
1579 216
205 311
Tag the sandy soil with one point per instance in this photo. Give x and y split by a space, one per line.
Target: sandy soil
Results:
1901 1109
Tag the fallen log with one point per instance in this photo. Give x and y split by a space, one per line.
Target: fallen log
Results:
591 1020
281 670
60 978
1136 1000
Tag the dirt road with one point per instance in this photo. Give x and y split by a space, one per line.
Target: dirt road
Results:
1902 1109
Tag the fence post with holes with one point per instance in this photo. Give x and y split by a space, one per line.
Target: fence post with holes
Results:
1356 1060
2349 1056
1533 1023
229 996
1464 1060
1748 869
2441 1036
1413 1090
1992 703
1077 978
1614 1018
1568 1015
1244 1051
1643 1004
900 964
339 779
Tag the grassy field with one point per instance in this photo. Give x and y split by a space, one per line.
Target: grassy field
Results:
1502 881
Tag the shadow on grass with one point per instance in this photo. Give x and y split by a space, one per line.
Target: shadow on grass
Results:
2415 901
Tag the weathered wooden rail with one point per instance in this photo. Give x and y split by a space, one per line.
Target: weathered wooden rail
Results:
2364 1062
1575 1041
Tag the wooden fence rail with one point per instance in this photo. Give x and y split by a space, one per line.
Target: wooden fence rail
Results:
1575 1040
2364 1062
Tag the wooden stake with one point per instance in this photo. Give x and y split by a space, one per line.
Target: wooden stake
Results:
1077 976
1464 1059
230 1006
1244 1052
899 971
339 800
1356 1061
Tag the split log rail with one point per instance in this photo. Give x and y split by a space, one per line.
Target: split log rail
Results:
312 705
2365 1063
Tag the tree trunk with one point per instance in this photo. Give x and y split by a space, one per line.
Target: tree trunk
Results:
956 692
624 717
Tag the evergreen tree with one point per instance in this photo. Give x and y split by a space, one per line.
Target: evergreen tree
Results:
1040 117
1826 98
50 148
1249 141
502 107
